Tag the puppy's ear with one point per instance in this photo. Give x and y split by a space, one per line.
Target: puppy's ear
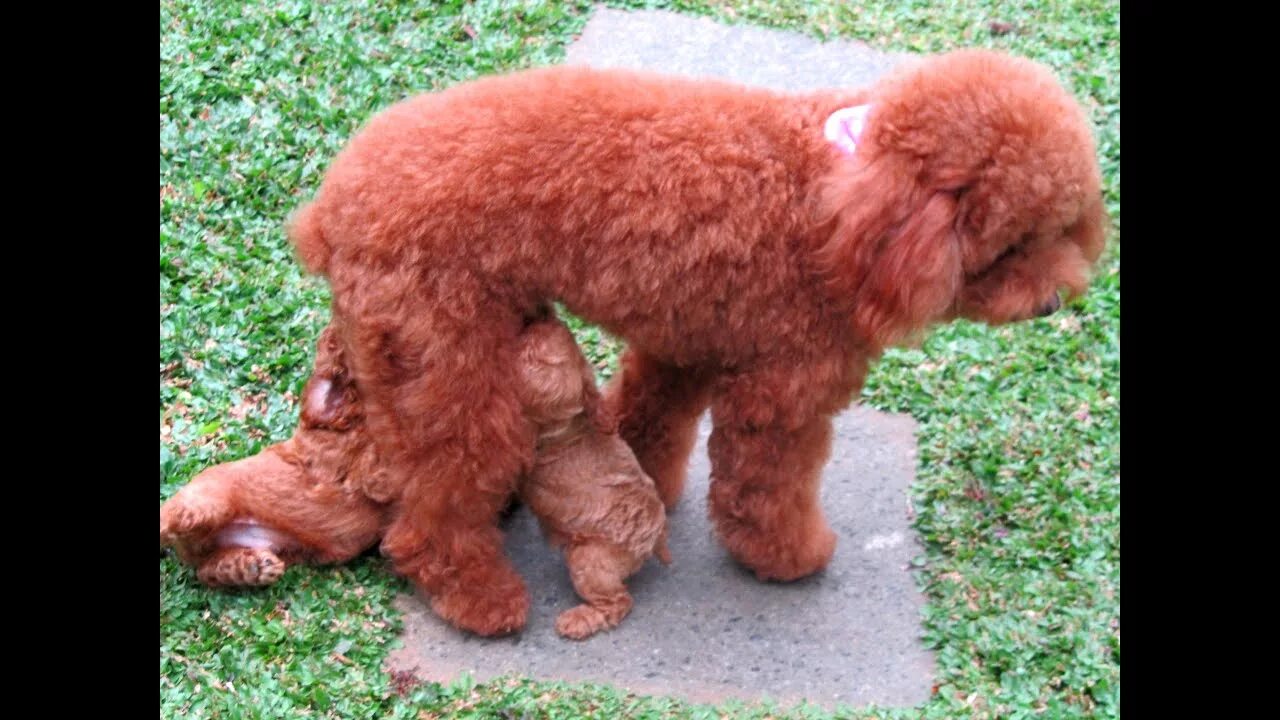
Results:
329 401
893 250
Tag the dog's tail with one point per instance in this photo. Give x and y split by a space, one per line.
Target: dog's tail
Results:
308 239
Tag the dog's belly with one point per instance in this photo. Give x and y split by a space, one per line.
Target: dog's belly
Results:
249 533
707 324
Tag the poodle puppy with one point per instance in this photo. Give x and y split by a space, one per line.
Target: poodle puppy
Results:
308 499
756 250
303 500
586 487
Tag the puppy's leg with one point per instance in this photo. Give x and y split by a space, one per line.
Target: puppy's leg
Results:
202 505
317 523
240 566
434 371
658 407
767 455
597 570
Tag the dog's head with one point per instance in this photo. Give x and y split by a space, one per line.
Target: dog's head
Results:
555 382
972 190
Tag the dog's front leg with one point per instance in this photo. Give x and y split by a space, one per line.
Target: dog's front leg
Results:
767 452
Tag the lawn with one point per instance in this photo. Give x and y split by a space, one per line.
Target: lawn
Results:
1018 490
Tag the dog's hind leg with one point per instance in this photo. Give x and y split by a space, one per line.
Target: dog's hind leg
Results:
597 570
434 370
658 407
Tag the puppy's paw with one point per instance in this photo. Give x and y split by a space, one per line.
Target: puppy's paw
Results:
182 516
242 567
380 487
583 621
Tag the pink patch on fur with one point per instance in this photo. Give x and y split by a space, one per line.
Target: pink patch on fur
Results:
249 533
844 127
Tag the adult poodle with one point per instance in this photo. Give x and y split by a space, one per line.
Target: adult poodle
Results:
756 250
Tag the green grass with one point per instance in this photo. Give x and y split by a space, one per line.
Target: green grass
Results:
1018 489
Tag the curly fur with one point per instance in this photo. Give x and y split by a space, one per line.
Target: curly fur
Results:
586 487
319 497
749 265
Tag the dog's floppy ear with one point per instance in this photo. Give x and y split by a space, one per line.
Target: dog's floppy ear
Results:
893 250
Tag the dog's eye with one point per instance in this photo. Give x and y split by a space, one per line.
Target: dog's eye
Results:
1008 252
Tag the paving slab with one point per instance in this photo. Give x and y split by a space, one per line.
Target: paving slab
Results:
664 41
704 629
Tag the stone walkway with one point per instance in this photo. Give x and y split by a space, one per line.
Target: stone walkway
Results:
704 629
668 42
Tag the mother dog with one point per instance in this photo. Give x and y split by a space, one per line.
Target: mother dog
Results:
756 250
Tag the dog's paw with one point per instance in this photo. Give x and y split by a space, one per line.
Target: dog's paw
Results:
380 487
580 623
247 567
499 609
789 554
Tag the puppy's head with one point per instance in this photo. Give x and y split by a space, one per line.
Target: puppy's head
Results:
332 441
330 400
973 190
555 381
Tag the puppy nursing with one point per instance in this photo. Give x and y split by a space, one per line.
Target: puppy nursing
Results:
321 496
586 486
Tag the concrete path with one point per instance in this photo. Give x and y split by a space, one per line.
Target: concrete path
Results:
699 47
704 629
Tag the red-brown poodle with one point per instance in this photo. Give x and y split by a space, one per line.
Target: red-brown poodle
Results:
302 500
756 250
319 497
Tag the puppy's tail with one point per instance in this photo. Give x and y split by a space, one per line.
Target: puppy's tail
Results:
308 240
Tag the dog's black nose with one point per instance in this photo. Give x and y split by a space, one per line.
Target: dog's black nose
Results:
1049 307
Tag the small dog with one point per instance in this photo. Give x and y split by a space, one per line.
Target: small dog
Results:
321 497
300 501
586 486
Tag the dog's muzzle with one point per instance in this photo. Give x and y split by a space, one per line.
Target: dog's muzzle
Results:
1049 307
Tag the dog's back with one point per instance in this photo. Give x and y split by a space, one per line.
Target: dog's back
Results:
627 196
